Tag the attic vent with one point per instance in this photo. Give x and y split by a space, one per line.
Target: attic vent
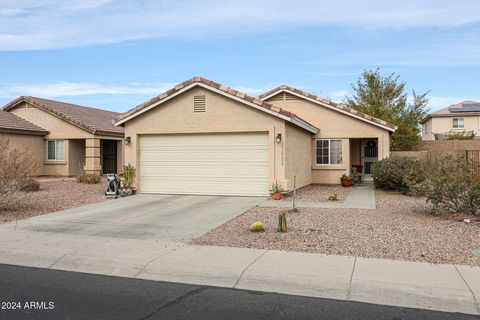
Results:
284 96
199 104
278 97
289 96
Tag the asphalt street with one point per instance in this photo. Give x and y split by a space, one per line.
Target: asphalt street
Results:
32 293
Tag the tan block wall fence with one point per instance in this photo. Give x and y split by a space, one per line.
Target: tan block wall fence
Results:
432 149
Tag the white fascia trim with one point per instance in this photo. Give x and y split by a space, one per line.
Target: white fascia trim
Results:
295 121
330 107
153 105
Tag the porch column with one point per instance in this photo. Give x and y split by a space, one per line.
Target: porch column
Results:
92 156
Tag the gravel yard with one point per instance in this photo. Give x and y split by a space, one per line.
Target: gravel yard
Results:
401 228
55 194
319 193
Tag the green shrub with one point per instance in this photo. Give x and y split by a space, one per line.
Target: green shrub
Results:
356 176
405 175
29 185
454 185
89 178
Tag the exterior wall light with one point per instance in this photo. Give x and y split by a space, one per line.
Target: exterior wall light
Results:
278 138
127 140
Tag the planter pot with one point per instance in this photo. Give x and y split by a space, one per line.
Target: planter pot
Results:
346 182
277 196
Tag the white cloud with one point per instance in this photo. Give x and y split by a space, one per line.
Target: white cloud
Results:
64 89
438 102
45 24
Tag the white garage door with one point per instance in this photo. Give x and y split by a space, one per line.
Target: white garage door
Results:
210 164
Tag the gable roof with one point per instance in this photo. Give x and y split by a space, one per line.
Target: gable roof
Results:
339 107
96 121
220 89
463 108
14 124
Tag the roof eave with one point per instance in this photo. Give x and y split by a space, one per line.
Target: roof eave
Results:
280 89
25 132
297 121
109 133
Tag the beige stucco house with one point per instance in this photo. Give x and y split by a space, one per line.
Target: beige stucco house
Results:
460 118
201 137
69 139
20 132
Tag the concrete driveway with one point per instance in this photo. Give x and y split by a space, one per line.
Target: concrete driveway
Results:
171 218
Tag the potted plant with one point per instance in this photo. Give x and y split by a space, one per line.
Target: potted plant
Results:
128 175
356 176
277 190
346 181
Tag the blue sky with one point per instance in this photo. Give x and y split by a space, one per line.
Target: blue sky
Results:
116 54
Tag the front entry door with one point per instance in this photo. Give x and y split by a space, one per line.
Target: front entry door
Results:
109 148
369 157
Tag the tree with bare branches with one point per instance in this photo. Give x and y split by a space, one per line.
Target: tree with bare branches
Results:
16 165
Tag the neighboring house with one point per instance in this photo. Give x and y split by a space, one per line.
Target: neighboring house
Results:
20 132
201 137
74 139
460 118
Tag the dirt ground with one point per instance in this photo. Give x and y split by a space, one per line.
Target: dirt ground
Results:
55 194
402 228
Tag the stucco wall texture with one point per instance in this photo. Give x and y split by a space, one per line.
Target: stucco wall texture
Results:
294 156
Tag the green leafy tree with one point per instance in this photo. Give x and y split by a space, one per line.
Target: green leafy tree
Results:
384 97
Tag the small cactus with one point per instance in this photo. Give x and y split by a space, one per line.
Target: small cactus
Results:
282 223
257 226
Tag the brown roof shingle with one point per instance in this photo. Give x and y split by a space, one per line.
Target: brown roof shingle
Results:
264 105
339 106
12 123
90 119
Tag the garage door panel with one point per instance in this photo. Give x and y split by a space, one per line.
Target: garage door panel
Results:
203 154
164 171
212 187
223 164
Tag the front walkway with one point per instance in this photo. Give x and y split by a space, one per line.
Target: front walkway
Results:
359 197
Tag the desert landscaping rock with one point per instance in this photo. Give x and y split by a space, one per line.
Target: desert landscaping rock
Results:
319 193
55 194
402 228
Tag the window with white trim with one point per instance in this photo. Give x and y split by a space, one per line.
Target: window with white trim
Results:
55 150
457 123
329 151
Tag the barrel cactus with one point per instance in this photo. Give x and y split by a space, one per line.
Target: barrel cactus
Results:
257 226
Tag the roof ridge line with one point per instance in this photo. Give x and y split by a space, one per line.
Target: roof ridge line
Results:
61 114
72 104
215 85
339 106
